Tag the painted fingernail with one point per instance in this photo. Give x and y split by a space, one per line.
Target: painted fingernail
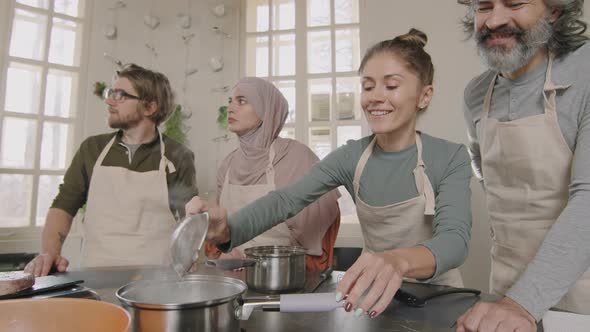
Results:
358 312
348 307
373 314
339 296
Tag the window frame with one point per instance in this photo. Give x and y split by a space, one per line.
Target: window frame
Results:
302 123
75 120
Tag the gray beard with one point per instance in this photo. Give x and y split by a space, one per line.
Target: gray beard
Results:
502 60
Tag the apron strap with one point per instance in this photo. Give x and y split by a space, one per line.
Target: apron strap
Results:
164 162
550 89
270 170
423 185
104 152
361 165
487 102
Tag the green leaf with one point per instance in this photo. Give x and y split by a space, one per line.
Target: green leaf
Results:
174 126
222 117
99 88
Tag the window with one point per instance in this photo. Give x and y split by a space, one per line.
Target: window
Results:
39 97
310 50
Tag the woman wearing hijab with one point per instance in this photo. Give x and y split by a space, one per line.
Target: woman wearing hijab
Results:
264 162
411 190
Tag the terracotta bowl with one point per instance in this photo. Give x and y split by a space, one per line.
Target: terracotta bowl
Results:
63 315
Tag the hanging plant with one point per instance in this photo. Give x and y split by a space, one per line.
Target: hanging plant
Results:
99 88
222 117
174 126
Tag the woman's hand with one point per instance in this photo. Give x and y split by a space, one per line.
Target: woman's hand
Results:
233 254
196 205
379 275
218 231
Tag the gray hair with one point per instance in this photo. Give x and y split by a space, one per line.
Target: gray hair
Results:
568 29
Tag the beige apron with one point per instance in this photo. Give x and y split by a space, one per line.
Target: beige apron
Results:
128 219
233 197
402 224
527 166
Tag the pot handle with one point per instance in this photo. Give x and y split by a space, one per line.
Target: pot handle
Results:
313 302
267 303
231 263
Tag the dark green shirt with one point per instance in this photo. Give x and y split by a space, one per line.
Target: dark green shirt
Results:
73 192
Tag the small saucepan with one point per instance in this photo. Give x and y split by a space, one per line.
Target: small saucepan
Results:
269 269
206 303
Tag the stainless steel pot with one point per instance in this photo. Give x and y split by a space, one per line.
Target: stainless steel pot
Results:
196 303
206 303
270 269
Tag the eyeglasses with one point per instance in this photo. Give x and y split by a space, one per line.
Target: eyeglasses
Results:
117 95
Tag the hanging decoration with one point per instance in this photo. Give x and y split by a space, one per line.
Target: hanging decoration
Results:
220 31
110 31
113 59
117 5
219 10
175 126
151 21
184 21
187 38
223 88
152 49
216 63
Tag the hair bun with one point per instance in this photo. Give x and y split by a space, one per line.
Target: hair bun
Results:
415 37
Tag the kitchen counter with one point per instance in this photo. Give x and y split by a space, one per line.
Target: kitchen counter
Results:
438 315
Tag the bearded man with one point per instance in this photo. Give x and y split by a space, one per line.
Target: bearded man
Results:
528 117
134 182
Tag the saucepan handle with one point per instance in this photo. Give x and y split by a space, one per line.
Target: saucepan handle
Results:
231 263
312 302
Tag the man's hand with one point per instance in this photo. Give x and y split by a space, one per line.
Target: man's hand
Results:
501 316
41 265
218 231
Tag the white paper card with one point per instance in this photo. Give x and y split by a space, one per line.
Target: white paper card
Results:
557 321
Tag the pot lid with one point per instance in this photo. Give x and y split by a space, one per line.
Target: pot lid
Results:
187 240
191 291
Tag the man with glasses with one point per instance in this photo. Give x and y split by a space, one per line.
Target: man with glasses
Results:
134 182
529 128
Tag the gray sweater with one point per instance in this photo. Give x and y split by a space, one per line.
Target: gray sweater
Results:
565 252
386 179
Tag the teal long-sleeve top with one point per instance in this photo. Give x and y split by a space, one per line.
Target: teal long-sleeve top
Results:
386 179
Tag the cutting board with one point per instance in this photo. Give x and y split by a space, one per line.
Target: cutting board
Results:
44 284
